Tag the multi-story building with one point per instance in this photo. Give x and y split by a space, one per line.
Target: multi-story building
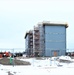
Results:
29 43
49 39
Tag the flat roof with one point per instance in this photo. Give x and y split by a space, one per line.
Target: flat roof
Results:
26 34
54 23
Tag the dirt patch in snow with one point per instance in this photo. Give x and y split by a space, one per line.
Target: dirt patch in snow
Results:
6 61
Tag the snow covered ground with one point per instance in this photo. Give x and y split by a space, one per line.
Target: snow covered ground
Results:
40 67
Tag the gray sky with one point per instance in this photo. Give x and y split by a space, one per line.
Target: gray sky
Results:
18 16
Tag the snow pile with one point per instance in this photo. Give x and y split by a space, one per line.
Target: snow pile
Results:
40 63
65 58
50 61
54 58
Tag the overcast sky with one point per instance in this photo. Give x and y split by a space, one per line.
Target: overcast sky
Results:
19 16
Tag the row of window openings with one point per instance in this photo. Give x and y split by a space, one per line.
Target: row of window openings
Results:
49 41
35 40
35 48
36 36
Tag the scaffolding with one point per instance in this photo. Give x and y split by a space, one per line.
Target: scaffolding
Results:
39 40
36 40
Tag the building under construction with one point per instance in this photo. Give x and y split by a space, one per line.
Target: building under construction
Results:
29 43
48 39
